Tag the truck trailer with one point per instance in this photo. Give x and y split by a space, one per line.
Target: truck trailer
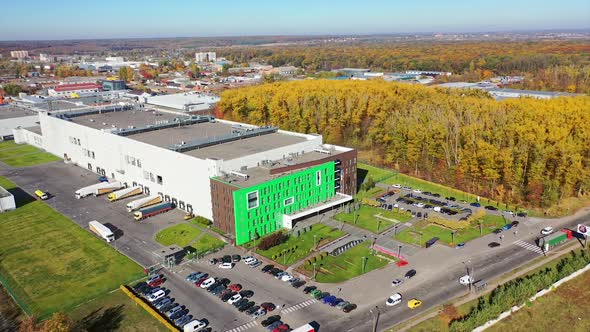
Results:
552 240
152 210
101 230
143 202
98 189
124 193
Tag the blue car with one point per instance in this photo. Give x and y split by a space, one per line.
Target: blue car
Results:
329 299
507 227
460 245
103 179
475 204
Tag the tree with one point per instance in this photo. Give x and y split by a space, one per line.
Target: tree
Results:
12 89
126 74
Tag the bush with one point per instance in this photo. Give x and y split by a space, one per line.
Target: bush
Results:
272 240
202 220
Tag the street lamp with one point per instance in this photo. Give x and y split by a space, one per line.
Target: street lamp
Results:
363 264
314 241
375 315
470 277
399 252
314 270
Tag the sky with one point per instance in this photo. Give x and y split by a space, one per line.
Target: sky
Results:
84 19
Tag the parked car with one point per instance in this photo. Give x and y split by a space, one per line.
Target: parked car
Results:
162 302
410 274
228 296
224 281
156 296
280 275
497 231
214 261
431 242
493 244
394 300
268 306
154 277
194 325
270 320
282 328
247 293
246 306
315 294
328 299
547 230
179 314
451 198
236 258
174 310
240 302
322 295
466 280
256 264
274 325
267 268
252 310
182 321
521 214
475 204
396 282
309 289
168 307
156 282
208 282
235 298
507 227
286 277
235 287
199 282
342 304
349 307
414 303
226 266
491 208
218 290
192 277
249 259
259 313
298 284
460 245
515 223
226 259
103 179
212 287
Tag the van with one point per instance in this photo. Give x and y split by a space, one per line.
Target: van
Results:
195 325
157 295
394 299
42 195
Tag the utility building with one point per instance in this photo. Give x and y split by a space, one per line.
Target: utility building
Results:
249 180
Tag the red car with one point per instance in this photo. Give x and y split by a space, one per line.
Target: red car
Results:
282 328
156 282
200 281
268 306
235 287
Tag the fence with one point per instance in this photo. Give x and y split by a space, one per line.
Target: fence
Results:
147 308
15 296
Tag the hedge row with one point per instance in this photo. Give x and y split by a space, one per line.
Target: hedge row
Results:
149 309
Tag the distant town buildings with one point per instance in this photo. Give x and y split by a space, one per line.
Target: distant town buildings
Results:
45 57
66 90
112 85
202 57
19 54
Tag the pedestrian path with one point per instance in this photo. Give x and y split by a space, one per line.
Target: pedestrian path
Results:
244 327
529 246
299 306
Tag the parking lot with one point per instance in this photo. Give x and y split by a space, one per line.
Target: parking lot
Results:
136 240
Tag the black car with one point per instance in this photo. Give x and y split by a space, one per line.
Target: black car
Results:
451 198
274 271
218 289
410 274
515 223
349 307
178 314
252 309
224 281
240 302
212 287
226 259
247 293
298 284
214 261
236 258
497 231
428 193
246 306
521 214
270 320
493 244
224 292
431 242
140 285
267 268
491 208
309 289
227 296
435 195
277 272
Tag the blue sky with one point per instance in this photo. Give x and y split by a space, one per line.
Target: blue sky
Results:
66 19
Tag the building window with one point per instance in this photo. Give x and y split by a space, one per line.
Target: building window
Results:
318 178
159 179
253 200
289 201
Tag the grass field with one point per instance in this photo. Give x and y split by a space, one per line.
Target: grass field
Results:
346 266
207 242
412 235
366 217
51 264
115 312
181 235
378 174
304 243
20 155
371 193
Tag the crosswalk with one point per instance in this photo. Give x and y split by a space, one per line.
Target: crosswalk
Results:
529 246
243 327
298 306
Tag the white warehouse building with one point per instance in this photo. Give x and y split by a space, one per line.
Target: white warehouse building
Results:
177 156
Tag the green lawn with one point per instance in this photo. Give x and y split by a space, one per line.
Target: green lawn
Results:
366 218
21 155
115 312
207 242
372 193
412 235
378 174
346 266
304 243
181 235
51 264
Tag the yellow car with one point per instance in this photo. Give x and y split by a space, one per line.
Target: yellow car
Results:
414 303
189 216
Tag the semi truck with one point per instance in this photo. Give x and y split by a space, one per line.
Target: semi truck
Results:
143 202
551 240
101 230
152 210
124 193
98 189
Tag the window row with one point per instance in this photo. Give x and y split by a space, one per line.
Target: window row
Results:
154 178
88 153
133 161
74 140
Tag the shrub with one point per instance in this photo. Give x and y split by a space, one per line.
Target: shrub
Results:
272 240
202 220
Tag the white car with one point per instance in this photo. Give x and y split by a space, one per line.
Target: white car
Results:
547 230
253 261
226 266
156 296
287 277
396 282
465 280
249 260
208 282
398 186
417 191
234 299
394 299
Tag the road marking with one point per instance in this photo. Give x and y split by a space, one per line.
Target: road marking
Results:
298 306
243 327
529 246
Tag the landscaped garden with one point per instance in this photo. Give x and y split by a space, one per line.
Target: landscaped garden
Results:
51 264
20 155
372 219
181 235
299 247
350 264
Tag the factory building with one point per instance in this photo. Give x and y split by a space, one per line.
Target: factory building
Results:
249 180
188 102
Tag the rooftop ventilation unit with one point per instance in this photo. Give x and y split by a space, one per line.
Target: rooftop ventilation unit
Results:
240 175
176 122
324 151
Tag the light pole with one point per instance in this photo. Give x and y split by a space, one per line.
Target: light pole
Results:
378 225
375 315
363 264
314 270
468 275
395 229
453 237
399 252
314 241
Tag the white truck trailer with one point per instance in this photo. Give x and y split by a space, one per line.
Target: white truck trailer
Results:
143 202
124 193
101 230
98 189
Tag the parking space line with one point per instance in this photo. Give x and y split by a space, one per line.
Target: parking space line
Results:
299 306
244 326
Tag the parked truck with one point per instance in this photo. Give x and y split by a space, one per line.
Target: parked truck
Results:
152 210
551 240
124 193
101 230
143 202
98 189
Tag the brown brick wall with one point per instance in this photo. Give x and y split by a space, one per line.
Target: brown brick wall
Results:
222 201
